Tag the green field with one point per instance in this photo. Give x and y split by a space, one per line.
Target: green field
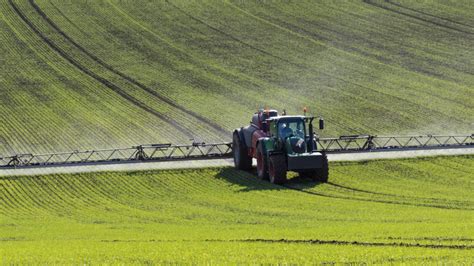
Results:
389 211
95 74
110 73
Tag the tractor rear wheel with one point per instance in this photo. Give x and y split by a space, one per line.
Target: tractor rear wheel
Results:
262 164
277 169
242 160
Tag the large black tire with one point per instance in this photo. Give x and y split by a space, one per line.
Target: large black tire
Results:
320 174
262 164
242 160
277 169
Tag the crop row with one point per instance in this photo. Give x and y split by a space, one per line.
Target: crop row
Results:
223 210
114 73
61 117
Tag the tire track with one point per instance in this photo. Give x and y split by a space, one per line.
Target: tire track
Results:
301 241
401 197
342 242
93 75
370 2
377 200
68 20
300 66
427 14
133 81
303 67
344 45
230 36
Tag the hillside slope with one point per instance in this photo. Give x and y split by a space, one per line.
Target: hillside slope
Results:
398 211
92 74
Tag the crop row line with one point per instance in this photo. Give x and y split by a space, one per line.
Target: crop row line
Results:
124 76
376 200
341 242
88 72
51 137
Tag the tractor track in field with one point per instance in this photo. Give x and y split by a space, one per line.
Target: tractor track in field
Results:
231 36
129 79
402 197
299 241
376 200
352 243
133 81
343 45
428 14
93 75
300 66
370 2
359 190
308 36
68 20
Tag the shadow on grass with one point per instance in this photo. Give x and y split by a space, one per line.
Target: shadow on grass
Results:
248 181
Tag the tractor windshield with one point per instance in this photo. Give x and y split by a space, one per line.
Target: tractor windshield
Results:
291 128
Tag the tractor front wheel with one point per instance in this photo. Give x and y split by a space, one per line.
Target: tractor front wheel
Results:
322 174
277 169
262 164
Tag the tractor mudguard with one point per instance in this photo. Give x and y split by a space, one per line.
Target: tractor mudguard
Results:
305 161
268 145
247 133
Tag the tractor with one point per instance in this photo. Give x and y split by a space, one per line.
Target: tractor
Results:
280 144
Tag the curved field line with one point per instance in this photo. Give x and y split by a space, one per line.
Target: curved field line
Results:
104 188
124 76
370 2
74 192
48 199
321 43
68 20
304 36
100 79
13 205
340 242
28 72
427 14
213 67
377 200
229 35
343 45
37 48
243 43
401 197
300 66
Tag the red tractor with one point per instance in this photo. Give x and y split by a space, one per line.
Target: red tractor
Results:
280 144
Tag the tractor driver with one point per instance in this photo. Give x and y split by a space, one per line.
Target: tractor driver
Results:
299 130
285 130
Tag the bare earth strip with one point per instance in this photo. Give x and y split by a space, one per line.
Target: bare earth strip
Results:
227 162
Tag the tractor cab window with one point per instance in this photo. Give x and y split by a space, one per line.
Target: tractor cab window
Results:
273 128
291 128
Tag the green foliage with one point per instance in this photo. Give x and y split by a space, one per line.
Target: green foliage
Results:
92 74
390 211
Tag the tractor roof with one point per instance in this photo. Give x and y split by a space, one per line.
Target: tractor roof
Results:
289 117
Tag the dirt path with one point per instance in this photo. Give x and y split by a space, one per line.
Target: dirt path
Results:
228 162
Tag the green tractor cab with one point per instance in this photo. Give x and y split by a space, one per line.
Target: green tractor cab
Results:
282 144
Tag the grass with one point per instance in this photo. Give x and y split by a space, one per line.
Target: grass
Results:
389 211
96 74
